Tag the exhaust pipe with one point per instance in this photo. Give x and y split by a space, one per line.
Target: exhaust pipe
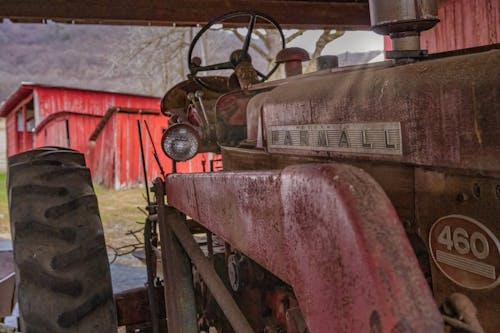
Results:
403 20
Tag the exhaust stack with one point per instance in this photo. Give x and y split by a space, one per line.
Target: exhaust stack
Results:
403 20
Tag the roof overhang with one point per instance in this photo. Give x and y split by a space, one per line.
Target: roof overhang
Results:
26 88
23 92
313 14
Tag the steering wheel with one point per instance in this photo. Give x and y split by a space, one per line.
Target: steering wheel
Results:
237 56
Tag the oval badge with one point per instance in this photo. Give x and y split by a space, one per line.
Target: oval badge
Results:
465 251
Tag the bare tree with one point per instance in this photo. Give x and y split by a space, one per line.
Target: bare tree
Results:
155 55
158 55
326 37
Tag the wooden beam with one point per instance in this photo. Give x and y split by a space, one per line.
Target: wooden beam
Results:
289 13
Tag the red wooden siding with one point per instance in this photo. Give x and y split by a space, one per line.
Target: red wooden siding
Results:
54 99
54 134
68 117
464 23
11 132
101 155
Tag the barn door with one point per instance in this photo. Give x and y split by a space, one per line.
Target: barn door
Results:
57 134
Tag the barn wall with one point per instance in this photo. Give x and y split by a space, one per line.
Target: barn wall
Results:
54 134
53 99
55 131
11 131
101 156
81 127
464 23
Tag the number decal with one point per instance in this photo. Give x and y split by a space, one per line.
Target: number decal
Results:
484 250
445 237
465 251
461 242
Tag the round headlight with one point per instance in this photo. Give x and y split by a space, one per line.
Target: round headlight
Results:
180 142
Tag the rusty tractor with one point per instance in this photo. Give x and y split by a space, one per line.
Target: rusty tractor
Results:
353 199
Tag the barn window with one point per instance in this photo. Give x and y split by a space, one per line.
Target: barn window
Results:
30 116
26 121
20 121
30 120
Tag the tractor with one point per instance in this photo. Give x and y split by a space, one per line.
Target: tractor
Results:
352 199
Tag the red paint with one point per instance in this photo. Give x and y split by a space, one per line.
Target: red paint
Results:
67 117
464 23
328 230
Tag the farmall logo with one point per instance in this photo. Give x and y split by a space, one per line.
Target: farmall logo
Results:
368 138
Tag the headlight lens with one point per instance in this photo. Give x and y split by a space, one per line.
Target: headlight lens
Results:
180 142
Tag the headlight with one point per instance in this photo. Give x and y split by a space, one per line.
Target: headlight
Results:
180 142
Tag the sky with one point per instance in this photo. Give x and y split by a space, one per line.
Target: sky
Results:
351 41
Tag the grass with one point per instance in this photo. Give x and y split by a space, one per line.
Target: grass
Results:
119 215
4 208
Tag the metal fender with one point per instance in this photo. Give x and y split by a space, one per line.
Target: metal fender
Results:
329 231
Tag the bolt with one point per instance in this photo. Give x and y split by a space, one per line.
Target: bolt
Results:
407 224
476 190
461 197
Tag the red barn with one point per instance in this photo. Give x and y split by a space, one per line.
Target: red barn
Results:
101 124
463 24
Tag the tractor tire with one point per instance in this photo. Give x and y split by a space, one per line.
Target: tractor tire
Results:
62 270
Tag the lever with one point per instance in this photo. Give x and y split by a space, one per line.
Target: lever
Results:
192 97
199 94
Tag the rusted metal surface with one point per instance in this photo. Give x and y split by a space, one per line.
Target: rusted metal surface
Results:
461 314
175 100
283 305
132 307
329 231
327 62
403 20
292 57
133 310
207 272
458 216
232 117
396 180
7 283
403 15
295 321
464 24
447 110
179 291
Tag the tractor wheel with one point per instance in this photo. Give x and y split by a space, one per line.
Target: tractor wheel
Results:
63 276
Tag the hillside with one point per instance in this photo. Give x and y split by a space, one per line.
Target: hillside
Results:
61 54
144 60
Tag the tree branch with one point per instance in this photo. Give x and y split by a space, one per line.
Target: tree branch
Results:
296 34
324 39
254 47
